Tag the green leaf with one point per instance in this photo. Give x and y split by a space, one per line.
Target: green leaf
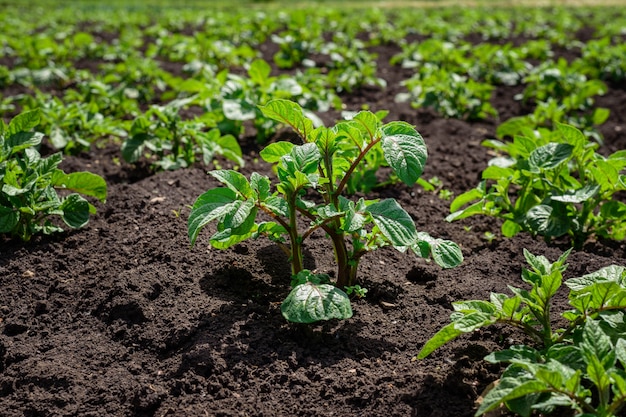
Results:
9 219
547 221
578 196
310 302
509 389
75 211
474 306
24 122
404 150
446 253
274 151
261 184
510 228
85 183
259 71
600 115
467 197
549 156
211 205
23 140
611 273
394 223
289 113
597 345
306 157
494 172
443 336
620 351
234 180
573 136
133 147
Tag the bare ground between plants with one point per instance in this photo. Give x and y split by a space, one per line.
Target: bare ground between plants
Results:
122 318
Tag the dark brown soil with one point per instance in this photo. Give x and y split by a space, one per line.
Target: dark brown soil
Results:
122 318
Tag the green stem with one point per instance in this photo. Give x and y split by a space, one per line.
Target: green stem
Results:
297 264
341 256
353 166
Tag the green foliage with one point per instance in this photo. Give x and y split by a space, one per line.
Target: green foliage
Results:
29 183
323 164
240 96
580 365
550 183
173 143
450 94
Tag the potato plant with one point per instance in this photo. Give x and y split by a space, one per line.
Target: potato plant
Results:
309 196
29 184
580 366
551 184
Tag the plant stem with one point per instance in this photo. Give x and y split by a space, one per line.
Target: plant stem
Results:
297 264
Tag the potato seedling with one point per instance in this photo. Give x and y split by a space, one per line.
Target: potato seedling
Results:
312 178
29 183
580 365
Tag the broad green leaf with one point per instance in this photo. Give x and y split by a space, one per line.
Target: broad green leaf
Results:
550 377
368 123
212 205
354 218
611 273
597 345
234 180
605 174
75 211
509 389
274 151
596 372
404 150
306 157
517 353
228 147
309 302
602 292
261 184
600 115
474 306
394 223
510 307
510 228
473 321
618 378
239 213
289 113
547 221
24 122
259 71
573 136
446 253
549 156
9 218
578 196
23 140
236 226
85 183
277 205
494 172
132 148
613 210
